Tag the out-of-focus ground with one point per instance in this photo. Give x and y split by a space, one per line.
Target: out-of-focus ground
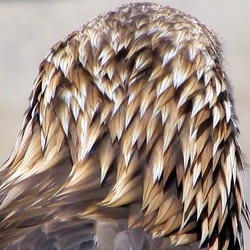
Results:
29 28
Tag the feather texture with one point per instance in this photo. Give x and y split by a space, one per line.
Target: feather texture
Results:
130 140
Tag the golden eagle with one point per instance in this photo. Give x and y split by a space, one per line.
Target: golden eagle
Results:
129 142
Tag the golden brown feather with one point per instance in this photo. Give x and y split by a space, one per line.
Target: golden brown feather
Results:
130 125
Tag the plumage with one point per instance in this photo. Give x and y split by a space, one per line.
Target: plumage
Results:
129 142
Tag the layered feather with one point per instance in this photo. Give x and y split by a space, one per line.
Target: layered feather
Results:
130 119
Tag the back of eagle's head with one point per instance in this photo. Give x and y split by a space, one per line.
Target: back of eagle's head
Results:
130 117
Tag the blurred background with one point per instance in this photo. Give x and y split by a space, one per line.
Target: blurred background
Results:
30 27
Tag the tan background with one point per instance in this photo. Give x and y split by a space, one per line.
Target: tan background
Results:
29 28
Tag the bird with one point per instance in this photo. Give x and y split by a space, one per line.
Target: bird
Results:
130 141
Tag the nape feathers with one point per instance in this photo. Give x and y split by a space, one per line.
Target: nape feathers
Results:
130 122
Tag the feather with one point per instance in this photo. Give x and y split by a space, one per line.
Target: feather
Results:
130 141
